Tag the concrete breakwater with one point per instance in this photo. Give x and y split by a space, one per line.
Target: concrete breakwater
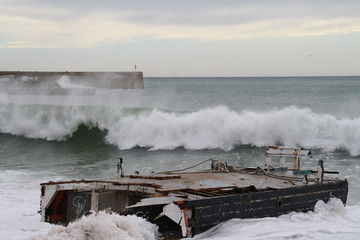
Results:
50 80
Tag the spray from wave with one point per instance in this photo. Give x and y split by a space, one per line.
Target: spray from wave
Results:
209 128
65 82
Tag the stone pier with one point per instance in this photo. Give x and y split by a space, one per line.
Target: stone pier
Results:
112 80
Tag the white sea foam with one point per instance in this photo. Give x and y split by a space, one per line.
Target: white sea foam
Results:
4 98
19 201
102 226
328 221
209 128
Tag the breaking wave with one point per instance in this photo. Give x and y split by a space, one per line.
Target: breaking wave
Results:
209 128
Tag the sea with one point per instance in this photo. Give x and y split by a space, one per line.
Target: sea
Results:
170 124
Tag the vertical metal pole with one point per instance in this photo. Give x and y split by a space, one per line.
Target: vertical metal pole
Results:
95 200
320 172
268 163
120 172
282 162
296 161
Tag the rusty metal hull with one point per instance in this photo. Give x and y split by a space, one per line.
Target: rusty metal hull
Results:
268 203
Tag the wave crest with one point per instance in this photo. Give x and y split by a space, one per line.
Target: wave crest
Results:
209 128
222 128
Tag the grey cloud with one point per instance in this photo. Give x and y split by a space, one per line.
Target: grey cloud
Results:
186 12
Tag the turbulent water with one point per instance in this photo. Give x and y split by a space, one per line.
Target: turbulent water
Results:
174 123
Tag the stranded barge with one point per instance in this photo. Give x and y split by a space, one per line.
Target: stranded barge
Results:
192 202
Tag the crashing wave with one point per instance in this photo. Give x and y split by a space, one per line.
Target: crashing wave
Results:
209 128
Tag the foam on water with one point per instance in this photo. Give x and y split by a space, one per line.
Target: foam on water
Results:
19 201
102 226
210 128
328 221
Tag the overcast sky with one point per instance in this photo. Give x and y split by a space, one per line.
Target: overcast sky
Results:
182 37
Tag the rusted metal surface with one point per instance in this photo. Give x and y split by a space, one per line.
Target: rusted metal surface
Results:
157 177
267 203
196 182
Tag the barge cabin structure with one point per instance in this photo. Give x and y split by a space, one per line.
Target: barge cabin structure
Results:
189 203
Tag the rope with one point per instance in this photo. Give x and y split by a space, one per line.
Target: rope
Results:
257 172
289 178
183 169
